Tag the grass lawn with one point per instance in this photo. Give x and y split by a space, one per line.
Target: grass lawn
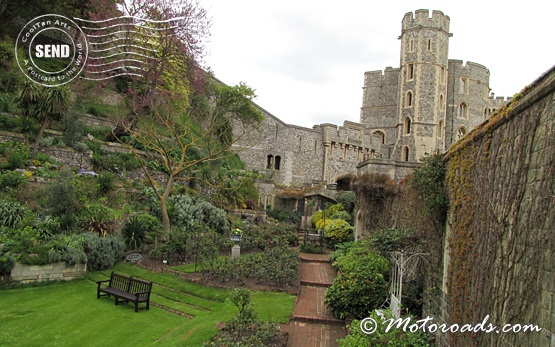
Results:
69 314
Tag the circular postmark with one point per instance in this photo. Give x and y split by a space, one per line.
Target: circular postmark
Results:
54 50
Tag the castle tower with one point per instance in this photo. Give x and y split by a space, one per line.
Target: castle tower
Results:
421 106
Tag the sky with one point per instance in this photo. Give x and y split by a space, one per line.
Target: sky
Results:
306 58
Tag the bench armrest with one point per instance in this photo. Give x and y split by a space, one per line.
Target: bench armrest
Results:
99 282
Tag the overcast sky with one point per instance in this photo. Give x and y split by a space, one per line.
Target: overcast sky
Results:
307 58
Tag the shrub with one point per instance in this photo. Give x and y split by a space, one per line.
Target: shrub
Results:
72 128
60 198
11 213
285 216
338 231
99 219
7 263
389 239
106 182
246 329
16 153
140 229
11 180
392 338
102 252
361 285
347 200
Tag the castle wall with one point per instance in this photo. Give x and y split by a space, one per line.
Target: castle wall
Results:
468 85
379 105
500 248
286 154
493 257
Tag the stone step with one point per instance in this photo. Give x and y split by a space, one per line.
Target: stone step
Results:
318 320
314 284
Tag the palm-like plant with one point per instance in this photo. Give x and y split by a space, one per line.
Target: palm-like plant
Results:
41 104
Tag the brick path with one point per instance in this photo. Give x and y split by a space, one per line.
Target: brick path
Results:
312 324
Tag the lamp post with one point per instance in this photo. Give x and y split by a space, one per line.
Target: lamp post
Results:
236 236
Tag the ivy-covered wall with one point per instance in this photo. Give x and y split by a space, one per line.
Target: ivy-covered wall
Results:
492 253
500 252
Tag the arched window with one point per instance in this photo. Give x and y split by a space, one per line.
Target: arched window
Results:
408 100
441 102
270 162
463 110
485 113
461 132
407 125
406 153
440 129
381 136
277 162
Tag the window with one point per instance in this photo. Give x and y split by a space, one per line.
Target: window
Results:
464 86
429 44
485 113
277 162
381 136
461 132
411 47
463 110
270 162
442 75
441 102
408 99
407 125
410 72
440 129
406 153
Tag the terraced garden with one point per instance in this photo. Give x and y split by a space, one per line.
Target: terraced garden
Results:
68 314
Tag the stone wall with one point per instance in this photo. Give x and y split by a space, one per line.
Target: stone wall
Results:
51 272
494 256
500 252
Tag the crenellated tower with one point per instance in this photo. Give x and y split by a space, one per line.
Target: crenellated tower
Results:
421 106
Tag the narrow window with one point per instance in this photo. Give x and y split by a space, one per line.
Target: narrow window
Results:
461 132
441 102
485 113
406 153
411 48
429 44
442 75
408 101
270 162
407 125
410 72
464 86
463 110
440 129
277 162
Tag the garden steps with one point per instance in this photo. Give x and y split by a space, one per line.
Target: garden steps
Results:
312 323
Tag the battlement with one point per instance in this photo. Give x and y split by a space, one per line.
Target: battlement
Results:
379 77
421 18
475 71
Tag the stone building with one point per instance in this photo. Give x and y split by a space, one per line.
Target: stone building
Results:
423 106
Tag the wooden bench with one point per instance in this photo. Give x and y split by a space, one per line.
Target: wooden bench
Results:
128 289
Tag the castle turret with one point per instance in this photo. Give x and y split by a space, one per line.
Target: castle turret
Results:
422 85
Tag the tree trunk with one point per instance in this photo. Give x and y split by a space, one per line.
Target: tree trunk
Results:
39 135
164 207
165 217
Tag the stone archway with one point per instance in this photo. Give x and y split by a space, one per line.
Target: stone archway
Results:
344 182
